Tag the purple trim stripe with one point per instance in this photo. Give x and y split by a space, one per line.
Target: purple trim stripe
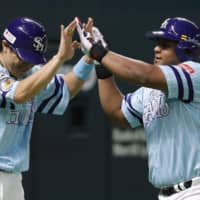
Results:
3 103
45 102
59 98
132 110
179 81
190 86
12 106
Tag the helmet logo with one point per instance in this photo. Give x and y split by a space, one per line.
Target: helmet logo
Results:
191 40
184 37
39 44
165 23
173 31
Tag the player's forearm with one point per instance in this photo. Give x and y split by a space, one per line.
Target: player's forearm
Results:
75 79
136 71
29 87
111 99
133 70
73 83
110 96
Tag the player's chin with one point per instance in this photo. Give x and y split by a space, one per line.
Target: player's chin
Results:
158 61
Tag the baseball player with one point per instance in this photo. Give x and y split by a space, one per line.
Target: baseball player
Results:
167 104
29 84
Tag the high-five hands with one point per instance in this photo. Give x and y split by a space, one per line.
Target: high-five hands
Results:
85 36
67 46
92 41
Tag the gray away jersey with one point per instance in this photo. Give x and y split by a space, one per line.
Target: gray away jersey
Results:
171 123
16 120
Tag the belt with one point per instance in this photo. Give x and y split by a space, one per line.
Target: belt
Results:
167 191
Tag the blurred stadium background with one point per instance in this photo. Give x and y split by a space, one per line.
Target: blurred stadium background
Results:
79 155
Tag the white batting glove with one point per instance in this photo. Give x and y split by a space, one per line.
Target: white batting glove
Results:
92 44
85 37
97 36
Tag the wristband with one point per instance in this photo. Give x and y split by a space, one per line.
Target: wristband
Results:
102 72
97 51
82 69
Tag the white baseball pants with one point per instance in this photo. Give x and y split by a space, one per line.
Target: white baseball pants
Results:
192 193
11 186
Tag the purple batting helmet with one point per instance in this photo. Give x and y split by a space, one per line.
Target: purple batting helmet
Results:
27 38
185 32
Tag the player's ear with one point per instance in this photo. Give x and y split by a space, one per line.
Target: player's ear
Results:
5 44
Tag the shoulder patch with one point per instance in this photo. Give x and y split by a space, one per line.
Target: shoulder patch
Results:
6 84
187 68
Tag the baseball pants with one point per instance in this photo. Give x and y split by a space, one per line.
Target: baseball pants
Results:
11 186
192 193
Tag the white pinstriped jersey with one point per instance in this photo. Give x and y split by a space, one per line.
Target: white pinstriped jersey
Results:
16 120
171 123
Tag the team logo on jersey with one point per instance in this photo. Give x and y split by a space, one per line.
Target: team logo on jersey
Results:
187 68
6 84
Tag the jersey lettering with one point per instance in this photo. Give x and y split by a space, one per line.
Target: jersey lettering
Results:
156 108
23 116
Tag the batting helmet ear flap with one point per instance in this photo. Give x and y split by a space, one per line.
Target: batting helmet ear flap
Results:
28 38
189 52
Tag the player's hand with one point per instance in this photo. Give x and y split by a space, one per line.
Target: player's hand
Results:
85 36
67 46
98 36
88 28
89 35
92 43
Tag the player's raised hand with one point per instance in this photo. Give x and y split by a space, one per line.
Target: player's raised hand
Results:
67 45
96 35
84 35
88 26
92 41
